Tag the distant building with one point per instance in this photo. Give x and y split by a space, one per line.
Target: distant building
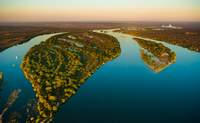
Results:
170 26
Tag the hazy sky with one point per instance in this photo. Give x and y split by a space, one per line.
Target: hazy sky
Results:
99 10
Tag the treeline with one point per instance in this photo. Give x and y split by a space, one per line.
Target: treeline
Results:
184 37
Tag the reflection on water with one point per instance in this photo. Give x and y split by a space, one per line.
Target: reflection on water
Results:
56 68
1 80
11 99
156 55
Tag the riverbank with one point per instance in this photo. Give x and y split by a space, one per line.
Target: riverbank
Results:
11 35
16 33
186 38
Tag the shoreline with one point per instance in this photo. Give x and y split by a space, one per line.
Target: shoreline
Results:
193 48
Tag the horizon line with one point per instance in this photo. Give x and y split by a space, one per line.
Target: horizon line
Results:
100 21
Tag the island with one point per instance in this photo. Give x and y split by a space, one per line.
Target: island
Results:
184 37
156 55
58 66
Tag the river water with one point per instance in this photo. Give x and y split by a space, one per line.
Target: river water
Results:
122 90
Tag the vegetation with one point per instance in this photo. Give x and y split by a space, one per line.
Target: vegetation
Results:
17 33
57 67
156 55
187 38
10 36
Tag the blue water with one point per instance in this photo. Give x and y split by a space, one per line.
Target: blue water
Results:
124 90
13 75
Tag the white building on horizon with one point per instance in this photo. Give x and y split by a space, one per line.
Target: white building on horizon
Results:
170 26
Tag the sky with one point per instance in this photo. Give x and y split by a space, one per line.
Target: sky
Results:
99 10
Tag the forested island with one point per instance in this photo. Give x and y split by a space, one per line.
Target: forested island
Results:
58 66
187 38
156 55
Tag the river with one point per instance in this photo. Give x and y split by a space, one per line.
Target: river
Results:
122 90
